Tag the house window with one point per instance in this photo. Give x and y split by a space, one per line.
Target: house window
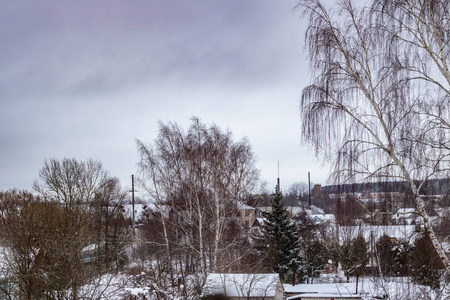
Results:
246 223
247 213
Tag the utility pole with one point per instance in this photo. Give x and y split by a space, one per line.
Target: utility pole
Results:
309 190
132 199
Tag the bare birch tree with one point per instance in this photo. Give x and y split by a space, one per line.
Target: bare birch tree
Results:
196 179
378 105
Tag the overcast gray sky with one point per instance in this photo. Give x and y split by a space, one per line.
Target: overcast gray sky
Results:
84 79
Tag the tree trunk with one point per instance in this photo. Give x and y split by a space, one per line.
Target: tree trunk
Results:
166 237
217 235
429 229
200 238
425 217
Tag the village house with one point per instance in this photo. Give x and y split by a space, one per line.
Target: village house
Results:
246 214
323 218
292 210
405 216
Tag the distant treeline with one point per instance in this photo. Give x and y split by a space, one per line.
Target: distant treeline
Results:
431 187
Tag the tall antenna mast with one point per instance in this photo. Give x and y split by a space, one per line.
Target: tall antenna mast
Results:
278 178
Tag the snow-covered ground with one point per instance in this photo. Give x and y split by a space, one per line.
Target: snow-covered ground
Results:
137 281
395 288
243 285
117 287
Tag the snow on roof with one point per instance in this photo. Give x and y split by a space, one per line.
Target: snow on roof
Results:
241 285
404 213
316 210
294 210
369 232
325 296
323 288
90 247
406 210
319 218
258 222
261 220
265 208
244 206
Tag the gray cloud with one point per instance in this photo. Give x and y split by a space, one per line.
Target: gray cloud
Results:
84 78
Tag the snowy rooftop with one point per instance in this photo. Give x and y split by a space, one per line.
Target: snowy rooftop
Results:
404 213
401 232
320 218
294 210
324 296
327 288
241 285
244 206
316 210
90 247
327 291
260 221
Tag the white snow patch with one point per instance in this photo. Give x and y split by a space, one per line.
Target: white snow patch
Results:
242 285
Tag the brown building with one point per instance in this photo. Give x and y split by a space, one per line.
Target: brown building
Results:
246 214
317 191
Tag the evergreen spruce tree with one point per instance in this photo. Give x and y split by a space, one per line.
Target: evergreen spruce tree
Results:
282 238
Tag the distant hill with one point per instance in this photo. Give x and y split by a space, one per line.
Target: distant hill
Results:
432 187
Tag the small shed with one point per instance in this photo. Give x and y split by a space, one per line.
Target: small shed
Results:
244 286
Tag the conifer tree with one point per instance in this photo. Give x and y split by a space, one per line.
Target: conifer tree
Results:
281 234
425 269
